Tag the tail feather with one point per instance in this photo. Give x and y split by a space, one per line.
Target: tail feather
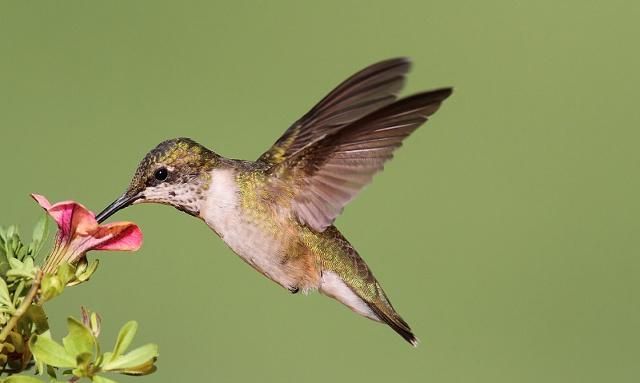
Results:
347 278
377 308
385 312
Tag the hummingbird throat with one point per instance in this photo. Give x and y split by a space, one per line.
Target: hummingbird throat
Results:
186 196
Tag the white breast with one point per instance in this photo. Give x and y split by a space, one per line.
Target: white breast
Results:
222 212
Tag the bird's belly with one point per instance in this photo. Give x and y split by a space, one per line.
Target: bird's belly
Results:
262 246
258 248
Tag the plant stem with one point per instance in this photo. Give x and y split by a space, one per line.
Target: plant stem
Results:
26 302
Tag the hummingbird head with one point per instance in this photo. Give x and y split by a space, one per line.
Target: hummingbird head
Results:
175 172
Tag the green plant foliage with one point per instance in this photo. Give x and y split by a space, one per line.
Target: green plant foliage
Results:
17 274
79 353
25 340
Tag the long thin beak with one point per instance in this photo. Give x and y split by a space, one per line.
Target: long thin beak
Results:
119 204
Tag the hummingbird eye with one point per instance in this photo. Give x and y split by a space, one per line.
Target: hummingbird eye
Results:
161 174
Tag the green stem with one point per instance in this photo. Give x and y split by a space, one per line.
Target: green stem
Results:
24 306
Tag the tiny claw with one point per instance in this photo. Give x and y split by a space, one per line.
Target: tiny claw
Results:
294 290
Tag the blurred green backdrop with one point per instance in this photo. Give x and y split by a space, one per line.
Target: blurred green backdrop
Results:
505 231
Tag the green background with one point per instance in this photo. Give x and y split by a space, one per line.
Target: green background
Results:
505 231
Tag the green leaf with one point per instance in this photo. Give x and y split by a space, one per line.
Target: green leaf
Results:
8 246
22 252
88 272
37 316
25 270
125 336
40 232
46 350
51 287
66 272
11 231
84 271
15 263
101 379
23 273
28 263
5 298
80 340
17 293
21 379
138 357
83 361
143 369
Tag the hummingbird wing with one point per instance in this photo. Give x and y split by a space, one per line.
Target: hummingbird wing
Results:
359 95
324 176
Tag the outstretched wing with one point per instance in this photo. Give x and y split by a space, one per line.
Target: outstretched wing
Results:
359 95
323 177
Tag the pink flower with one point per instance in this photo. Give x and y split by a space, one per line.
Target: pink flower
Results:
79 232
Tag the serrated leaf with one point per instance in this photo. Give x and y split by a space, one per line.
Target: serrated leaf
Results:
138 357
125 336
80 340
46 350
21 379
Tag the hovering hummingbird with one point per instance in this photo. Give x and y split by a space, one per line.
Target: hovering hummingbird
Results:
277 212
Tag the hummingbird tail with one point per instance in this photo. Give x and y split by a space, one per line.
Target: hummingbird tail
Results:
347 278
374 306
385 312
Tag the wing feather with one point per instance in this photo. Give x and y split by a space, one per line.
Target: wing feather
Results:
326 174
366 91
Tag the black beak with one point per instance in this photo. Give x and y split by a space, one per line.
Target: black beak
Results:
116 205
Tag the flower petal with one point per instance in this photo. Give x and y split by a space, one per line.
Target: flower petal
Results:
124 236
70 216
41 200
79 232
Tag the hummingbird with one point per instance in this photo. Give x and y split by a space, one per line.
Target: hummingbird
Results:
277 212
